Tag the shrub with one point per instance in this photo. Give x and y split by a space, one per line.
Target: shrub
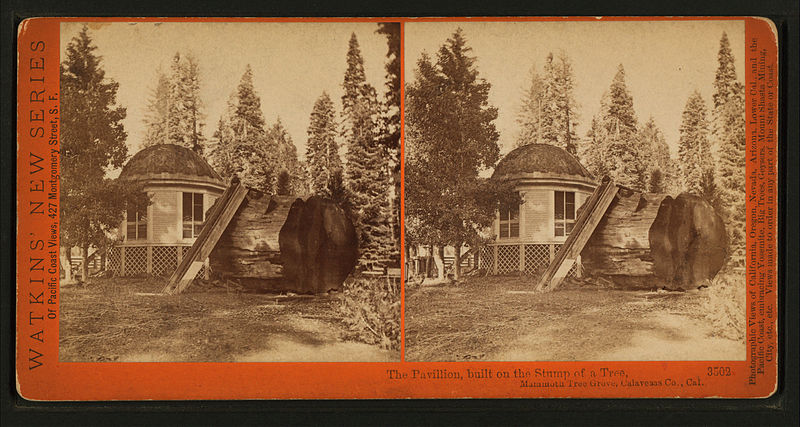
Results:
370 308
725 303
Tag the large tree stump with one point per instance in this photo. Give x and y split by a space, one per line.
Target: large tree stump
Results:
319 247
643 236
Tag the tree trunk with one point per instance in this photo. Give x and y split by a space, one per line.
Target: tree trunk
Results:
457 262
438 259
85 263
66 260
644 236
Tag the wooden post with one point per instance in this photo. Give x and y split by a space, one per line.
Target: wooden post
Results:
552 251
522 257
122 260
149 259
495 268
578 267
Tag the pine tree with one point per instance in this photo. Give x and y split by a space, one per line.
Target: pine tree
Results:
92 141
286 159
390 129
157 115
694 151
451 138
559 113
728 135
656 155
175 110
322 151
365 178
242 146
617 149
530 115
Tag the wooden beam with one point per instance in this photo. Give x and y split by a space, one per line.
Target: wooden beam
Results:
585 225
218 219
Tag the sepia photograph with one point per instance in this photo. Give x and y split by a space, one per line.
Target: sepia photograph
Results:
230 192
575 191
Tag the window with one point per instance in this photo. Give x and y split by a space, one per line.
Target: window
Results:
509 221
192 214
564 212
137 224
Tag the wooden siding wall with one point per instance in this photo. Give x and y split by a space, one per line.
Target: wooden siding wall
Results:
536 213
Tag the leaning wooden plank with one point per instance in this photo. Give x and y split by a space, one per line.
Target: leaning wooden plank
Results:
208 238
585 225
189 257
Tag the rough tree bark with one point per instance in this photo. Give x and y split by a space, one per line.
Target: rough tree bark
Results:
438 259
680 242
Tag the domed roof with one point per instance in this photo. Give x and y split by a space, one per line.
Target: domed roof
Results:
543 159
169 161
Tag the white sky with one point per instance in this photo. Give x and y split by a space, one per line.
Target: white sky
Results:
665 61
292 64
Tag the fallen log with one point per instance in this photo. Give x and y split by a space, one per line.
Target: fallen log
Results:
644 236
281 243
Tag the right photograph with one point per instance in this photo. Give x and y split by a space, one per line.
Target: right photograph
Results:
575 191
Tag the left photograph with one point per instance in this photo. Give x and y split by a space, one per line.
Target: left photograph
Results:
230 192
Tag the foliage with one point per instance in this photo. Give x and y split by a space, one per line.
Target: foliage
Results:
661 171
725 303
450 138
370 307
390 128
245 147
728 134
366 174
92 141
175 110
530 115
614 146
322 151
694 152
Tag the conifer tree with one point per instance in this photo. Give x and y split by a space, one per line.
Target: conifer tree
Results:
728 135
92 141
322 151
558 104
286 160
242 146
617 150
157 115
530 115
450 138
660 168
390 128
365 178
694 152
175 110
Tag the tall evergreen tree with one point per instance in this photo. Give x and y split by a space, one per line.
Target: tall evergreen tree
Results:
242 146
450 138
286 161
175 111
390 128
559 115
157 115
322 151
694 152
365 178
92 141
660 168
728 136
530 115
617 150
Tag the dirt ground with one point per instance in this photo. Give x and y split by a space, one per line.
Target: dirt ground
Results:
128 320
502 319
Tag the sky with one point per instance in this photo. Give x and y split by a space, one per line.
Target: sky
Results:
293 63
664 61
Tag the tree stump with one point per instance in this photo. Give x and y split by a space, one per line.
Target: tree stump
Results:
644 236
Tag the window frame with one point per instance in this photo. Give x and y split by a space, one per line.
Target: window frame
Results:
565 224
192 225
139 223
511 223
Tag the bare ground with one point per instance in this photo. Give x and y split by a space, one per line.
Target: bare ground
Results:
502 319
128 320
